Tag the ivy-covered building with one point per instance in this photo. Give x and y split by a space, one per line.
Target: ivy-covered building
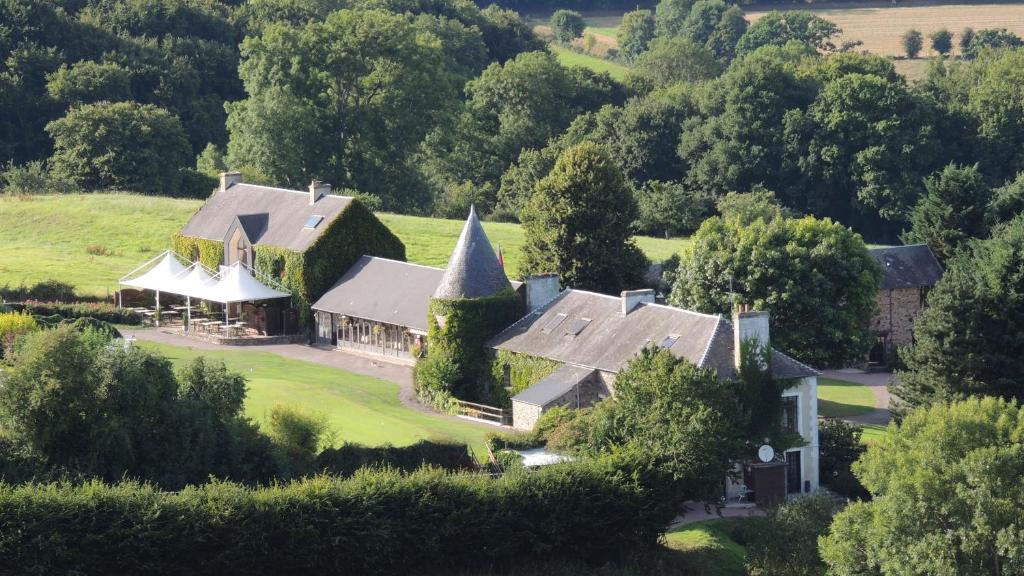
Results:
305 239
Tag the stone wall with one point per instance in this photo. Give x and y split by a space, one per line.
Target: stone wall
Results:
592 390
524 416
896 312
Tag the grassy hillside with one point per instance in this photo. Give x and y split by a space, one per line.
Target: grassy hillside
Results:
570 58
91 240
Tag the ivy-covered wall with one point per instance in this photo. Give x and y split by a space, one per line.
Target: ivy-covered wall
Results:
468 324
524 371
355 232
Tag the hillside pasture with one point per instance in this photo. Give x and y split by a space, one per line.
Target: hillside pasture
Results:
91 240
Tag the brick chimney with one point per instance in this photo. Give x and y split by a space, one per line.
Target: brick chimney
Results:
540 290
632 298
228 179
751 328
317 189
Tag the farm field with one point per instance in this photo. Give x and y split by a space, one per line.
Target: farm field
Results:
570 58
91 240
359 408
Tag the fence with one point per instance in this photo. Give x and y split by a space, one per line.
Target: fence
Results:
483 412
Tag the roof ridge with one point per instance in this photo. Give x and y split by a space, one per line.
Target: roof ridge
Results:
536 311
279 189
711 340
402 262
687 310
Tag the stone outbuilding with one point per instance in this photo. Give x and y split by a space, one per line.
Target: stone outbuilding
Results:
909 272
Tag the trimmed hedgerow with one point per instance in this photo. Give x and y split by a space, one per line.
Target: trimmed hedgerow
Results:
468 324
349 458
355 232
377 522
47 290
99 310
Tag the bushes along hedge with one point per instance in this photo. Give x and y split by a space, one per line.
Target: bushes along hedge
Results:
347 459
377 522
98 310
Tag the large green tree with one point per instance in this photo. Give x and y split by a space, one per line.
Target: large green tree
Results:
120 145
716 25
671 61
815 277
946 496
968 339
578 224
670 15
778 28
346 100
635 33
952 211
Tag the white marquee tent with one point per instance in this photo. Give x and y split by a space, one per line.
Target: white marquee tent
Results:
235 283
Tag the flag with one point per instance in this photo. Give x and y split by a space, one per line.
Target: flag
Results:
501 259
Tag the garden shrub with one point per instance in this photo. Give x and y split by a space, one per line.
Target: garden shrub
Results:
99 310
86 324
524 371
47 290
13 325
840 448
349 458
785 542
377 522
433 378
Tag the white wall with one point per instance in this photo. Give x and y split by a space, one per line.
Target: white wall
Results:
807 401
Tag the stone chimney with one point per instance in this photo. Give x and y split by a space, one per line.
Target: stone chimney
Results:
632 298
540 290
750 329
228 179
317 189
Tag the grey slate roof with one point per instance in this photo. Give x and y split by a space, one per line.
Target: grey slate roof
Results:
610 340
910 266
383 290
556 384
269 216
473 270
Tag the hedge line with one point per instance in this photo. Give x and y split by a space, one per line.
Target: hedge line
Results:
377 522
349 458
103 311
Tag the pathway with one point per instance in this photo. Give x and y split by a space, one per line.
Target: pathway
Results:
325 356
877 382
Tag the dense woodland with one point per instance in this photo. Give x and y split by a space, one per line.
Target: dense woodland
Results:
430 106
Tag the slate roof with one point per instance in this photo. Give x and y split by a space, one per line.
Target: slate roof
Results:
383 290
910 266
553 386
269 216
473 270
610 339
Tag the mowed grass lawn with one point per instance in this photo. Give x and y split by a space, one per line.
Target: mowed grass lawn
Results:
837 399
359 408
571 58
709 545
91 240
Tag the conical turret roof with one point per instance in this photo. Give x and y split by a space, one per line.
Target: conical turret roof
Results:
473 270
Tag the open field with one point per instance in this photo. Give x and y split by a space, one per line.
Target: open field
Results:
91 240
597 64
359 408
880 25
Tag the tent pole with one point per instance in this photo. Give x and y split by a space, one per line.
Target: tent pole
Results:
188 313
120 301
225 319
157 315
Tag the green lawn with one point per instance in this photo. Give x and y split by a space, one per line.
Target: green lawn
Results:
838 399
570 58
359 408
605 30
51 237
710 546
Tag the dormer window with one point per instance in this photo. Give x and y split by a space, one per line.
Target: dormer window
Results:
313 221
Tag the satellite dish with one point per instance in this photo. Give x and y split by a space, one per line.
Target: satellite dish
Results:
766 453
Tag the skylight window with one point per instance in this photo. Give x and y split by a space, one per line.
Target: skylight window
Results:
669 341
578 326
553 323
313 221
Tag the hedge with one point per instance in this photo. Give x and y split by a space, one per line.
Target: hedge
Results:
98 310
377 522
349 458
46 290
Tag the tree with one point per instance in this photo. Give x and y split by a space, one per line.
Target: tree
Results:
991 39
88 81
951 212
778 28
121 145
672 61
912 42
578 224
567 25
506 34
785 541
347 100
942 41
749 207
1007 202
967 340
670 209
635 33
717 26
815 277
966 37
211 161
669 16
946 496
212 383
841 446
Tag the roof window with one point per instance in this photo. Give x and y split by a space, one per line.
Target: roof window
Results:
313 221
669 341
553 323
578 326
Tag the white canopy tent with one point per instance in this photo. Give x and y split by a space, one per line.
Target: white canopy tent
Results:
233 284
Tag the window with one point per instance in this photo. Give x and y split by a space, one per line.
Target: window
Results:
790 414
313 221
793 472
578 326
669 341
553 323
